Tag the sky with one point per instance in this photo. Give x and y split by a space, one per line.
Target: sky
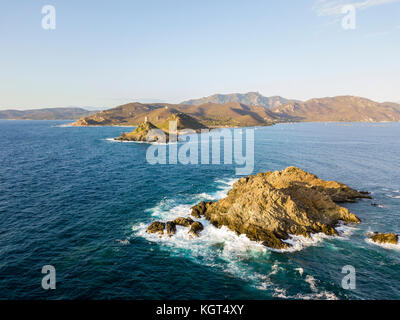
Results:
105 53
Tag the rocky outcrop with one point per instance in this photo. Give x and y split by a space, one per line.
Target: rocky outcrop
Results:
384 238
145 132
195 229
269 207
170 227
156 227
184 222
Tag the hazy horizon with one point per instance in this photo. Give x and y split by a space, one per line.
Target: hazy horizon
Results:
147 100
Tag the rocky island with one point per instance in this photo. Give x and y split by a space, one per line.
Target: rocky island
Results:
384 238
271 206
143 133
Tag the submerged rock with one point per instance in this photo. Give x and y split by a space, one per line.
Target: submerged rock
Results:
268 207
145 132
170 226
382 238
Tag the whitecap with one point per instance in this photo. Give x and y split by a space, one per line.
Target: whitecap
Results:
222 248
384 245
139 142
345 230
300 270
124 242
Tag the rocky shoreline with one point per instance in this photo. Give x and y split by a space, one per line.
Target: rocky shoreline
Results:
270 207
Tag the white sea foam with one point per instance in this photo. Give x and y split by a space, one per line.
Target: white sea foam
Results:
384 245
345 230
140 142
113 140
315 294
299 242
222 248
300 270
124 242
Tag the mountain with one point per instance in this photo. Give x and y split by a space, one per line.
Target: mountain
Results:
231 114
250 99
127 114
341 108
132 114
45 114
236 114
195 117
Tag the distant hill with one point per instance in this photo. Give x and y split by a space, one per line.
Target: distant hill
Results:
132 114
194 117
250 99
45 114
341 108
236 114
231 114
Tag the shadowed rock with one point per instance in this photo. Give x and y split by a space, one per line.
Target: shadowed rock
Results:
199 209
195 229
171 228
156 227
268 207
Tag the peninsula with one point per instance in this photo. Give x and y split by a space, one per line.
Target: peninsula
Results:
246 110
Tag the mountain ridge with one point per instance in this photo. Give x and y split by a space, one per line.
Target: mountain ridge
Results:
60 113
249 98
340 108
237 114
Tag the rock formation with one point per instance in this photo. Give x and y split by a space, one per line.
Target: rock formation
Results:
145 132
382 238
170 227
156 227
269 207
195 229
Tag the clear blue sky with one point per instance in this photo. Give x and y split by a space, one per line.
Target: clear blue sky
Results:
105 53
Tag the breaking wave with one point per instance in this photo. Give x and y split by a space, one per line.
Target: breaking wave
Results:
224 250
384 245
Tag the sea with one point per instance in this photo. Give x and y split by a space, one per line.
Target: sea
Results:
74 199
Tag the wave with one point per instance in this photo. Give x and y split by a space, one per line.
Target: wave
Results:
141 142
223 249
384 245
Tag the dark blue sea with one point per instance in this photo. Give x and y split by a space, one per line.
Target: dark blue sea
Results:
72 199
